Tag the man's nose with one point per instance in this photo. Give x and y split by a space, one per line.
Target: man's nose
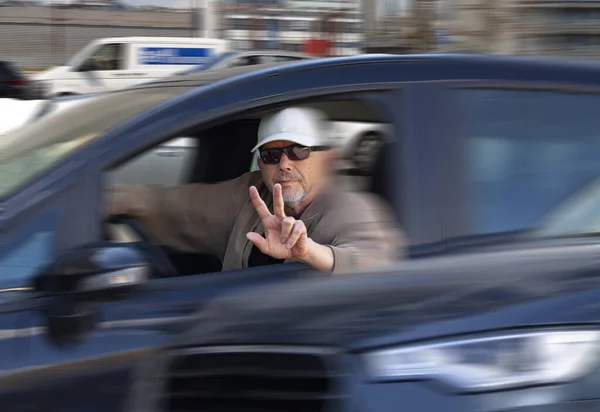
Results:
285 163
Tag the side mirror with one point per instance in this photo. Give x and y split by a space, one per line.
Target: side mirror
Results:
97 272
83 277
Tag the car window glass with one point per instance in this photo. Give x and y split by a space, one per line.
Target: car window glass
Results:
108 57
32 149
22 169
254 165
168 164
287 58
247 61
23 252
269 59
525 152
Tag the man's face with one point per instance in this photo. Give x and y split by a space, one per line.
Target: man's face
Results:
300 180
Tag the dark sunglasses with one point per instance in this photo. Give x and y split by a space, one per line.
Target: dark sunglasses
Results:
272 156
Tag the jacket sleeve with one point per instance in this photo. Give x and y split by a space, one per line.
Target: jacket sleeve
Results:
188 218
366 235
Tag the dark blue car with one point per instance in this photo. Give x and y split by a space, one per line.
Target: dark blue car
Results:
492 310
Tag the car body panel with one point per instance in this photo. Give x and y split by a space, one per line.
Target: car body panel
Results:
417 300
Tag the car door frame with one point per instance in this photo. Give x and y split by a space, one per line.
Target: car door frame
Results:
456 230
150 130
418 209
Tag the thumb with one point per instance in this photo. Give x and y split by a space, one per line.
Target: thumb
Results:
258 240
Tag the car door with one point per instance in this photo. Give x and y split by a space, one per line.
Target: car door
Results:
72 363
105 69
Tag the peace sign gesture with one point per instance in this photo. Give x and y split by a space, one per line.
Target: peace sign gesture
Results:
285 237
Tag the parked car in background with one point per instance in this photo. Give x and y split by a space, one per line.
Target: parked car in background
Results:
248 58
13 83
115 63
95 314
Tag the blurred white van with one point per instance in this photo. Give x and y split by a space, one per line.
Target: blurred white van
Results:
114 63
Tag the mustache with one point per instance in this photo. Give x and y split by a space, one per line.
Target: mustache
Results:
286 176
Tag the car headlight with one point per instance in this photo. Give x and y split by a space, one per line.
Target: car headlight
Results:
492 363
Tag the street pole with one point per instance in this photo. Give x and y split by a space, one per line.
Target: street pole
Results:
52 33
208 19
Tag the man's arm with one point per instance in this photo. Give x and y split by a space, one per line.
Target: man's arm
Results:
363 230
187 218
365 233
319 257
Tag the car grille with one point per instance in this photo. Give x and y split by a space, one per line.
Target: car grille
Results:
253 380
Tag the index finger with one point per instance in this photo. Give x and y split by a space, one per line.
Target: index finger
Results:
259 204
278 206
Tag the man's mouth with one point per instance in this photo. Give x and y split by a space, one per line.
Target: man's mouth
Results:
285 181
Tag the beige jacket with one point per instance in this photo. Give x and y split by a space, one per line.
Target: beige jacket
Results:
215 218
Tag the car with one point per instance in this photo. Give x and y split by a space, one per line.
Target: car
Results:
13 83
247 58
95 314
112 63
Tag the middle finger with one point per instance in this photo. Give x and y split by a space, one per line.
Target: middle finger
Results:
287 225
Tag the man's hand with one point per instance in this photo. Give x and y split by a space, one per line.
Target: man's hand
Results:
285 237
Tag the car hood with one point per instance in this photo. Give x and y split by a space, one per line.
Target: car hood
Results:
411 301
50 74
16 113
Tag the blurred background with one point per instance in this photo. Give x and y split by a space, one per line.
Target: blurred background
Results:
36 34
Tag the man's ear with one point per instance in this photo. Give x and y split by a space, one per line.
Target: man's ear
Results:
259 163
333 154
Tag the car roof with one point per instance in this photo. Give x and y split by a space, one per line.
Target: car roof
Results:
167 39
480 61
274 53
201 78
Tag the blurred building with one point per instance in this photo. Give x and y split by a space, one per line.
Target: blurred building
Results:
324 27
567 27
535 27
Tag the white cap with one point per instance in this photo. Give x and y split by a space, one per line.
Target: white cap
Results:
300 125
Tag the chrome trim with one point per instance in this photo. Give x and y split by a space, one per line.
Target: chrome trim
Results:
301 350
17 289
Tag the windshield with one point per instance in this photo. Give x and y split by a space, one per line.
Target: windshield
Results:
209 63
35 147
80 55
579 215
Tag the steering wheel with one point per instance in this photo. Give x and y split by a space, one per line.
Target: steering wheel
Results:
157 256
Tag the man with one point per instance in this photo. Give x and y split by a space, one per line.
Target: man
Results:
290 210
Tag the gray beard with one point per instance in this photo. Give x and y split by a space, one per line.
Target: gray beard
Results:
293 200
